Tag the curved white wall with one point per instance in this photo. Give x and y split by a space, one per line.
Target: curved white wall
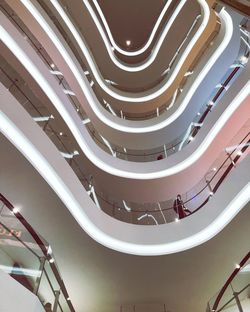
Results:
231 197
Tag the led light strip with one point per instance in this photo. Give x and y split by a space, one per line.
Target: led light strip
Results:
92 65
110 51
41 164
85 88
76 132
111 39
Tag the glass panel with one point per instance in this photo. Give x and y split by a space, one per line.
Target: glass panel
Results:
17 228
46 293
17 259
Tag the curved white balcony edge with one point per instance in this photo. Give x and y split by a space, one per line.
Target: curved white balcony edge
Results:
123 237
112 56
59 100
111 39
102 114
101 82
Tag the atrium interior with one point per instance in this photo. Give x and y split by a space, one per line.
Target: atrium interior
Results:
124 145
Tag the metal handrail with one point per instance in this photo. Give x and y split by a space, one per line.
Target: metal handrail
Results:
42 247
228 282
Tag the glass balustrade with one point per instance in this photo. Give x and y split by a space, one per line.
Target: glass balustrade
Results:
155 154
234 296
28 259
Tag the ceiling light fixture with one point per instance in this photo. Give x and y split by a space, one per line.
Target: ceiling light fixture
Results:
128 43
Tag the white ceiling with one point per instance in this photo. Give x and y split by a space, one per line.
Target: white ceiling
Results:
99 279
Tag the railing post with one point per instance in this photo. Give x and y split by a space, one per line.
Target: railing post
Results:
57 294
236 297
231 159
38 280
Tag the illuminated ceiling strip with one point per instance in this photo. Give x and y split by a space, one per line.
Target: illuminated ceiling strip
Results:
163 216
147 215
108 145
86 121
173 100
43 118
126 206
110 51
69 92
41 164
111 123
76 132
111 39
92 191
56 72
91 63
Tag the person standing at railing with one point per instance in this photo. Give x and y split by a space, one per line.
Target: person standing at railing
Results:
179 207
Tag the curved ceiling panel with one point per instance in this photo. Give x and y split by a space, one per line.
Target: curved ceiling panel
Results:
110 121
122 237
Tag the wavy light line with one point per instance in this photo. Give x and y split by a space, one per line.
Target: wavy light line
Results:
93 67
111 39
70 121
111 123
41 164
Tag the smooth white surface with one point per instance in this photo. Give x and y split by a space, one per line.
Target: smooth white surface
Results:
16 298
71 118
41 20
231 197
117 123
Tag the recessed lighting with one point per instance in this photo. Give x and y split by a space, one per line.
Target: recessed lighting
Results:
214 169
52 65
198 114
128 42
76 152
61 133
68 299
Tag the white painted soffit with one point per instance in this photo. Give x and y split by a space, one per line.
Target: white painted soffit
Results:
94 69
155 127
70 118
134 239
